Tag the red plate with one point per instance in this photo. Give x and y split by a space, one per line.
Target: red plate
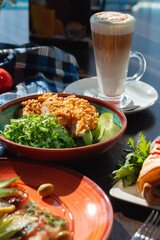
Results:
76 198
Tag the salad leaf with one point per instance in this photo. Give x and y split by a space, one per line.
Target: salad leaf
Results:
45 132
129 169
38 131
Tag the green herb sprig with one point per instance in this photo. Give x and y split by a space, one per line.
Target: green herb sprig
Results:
129 169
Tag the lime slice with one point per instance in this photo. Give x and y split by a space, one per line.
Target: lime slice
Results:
106 128
5 206
105 122
105 119
110 132
88 138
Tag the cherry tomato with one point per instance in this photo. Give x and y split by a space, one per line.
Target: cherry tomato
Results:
6 81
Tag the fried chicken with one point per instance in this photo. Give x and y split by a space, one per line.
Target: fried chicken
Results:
75 114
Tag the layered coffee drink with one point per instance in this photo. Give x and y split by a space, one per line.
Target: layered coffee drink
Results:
112 37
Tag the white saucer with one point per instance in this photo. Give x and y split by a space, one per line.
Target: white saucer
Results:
140 93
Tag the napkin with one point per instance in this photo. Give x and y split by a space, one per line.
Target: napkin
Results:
37 69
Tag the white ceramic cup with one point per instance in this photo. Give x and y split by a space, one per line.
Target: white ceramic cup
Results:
112 34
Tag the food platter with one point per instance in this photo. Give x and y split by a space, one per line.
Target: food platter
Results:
130 193
76 198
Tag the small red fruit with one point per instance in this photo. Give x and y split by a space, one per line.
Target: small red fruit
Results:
6 81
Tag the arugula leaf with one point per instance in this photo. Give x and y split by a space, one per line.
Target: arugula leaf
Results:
129 169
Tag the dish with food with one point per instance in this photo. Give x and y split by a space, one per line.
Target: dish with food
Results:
76 199
53 126
22 218
59 122
148 181
140 181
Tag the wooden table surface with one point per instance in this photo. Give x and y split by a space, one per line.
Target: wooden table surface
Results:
127 216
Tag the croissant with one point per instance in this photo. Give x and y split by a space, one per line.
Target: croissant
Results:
148 182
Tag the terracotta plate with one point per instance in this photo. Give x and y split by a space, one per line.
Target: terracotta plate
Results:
9 110
76 198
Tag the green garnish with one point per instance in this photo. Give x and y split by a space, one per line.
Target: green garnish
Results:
4 190
7 235
1 219
50 219
4 226
4 233
5 183
38 131
129 169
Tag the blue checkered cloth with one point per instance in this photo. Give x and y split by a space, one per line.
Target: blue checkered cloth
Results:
37 69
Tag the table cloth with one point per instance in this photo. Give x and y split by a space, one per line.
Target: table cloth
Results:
37 69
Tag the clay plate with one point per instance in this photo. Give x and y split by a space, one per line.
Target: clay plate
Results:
76 198
8 111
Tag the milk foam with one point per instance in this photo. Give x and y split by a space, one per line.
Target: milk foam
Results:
112 23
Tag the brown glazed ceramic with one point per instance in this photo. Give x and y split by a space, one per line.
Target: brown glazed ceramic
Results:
8 111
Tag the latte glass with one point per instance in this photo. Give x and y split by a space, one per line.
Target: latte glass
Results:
112 34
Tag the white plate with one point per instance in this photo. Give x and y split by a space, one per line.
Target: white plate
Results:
131 194
139 92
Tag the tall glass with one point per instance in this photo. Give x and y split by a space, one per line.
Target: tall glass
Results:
112 34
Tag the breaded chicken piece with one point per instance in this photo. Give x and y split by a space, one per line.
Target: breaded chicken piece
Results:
32 106
75 114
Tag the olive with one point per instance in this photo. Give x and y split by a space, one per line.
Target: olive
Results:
46 189
63 235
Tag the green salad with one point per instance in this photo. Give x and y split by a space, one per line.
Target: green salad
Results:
45 132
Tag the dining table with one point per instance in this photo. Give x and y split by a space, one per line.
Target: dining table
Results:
128 217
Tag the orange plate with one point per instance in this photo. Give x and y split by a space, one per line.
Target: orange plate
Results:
76 198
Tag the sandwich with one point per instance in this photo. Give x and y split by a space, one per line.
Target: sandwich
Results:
148 182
